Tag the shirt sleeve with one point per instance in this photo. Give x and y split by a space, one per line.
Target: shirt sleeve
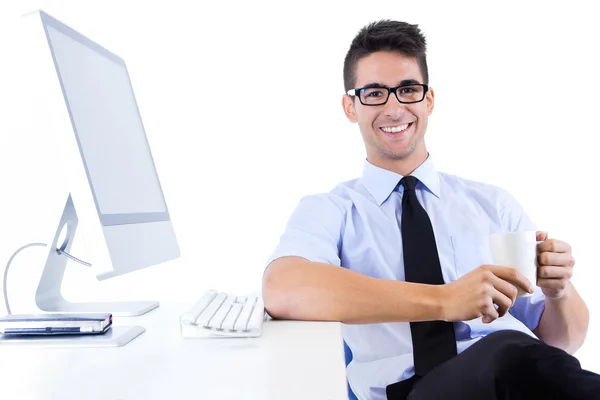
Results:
528 309
314 231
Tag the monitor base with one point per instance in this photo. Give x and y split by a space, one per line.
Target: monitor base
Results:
116 336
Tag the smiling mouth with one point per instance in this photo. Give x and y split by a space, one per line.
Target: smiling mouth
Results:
396 129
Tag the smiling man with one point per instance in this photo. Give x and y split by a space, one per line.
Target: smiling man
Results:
401 256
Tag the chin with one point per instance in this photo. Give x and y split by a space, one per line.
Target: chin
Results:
400 156
394 154
399 153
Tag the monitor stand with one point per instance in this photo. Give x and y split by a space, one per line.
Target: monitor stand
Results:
48 296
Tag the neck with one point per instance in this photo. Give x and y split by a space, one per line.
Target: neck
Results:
402 166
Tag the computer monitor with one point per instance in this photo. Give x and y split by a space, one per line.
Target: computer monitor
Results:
107 189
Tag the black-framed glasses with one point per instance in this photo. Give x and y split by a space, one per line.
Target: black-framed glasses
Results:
377 96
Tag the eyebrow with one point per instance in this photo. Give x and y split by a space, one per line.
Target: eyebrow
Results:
405 82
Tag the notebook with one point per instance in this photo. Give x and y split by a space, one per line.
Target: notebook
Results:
55 324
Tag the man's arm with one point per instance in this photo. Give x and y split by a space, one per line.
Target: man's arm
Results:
565 319
295 288
564 322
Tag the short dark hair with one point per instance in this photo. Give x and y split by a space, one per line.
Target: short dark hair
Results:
385 35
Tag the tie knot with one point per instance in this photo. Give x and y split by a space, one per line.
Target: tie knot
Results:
409 182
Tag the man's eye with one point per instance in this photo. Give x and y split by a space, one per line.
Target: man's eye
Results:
374 93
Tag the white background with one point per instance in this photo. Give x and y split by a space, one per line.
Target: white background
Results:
241 103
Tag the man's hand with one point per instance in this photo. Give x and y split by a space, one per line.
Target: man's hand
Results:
555 266
488 292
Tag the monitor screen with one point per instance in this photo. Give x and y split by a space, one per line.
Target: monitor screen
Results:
108 128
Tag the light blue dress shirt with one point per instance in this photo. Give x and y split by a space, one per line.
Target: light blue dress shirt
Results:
357 226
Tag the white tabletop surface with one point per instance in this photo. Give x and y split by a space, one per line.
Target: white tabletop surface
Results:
290 360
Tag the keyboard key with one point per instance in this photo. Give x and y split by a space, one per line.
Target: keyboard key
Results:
193 313
257 317
234 313
219 317
211 310
242 323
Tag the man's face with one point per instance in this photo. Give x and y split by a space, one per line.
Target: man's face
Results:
392 131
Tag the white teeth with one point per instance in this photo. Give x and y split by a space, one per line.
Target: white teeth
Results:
395 129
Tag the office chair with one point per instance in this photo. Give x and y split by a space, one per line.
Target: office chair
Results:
348 356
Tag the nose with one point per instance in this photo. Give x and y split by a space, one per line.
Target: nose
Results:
393 109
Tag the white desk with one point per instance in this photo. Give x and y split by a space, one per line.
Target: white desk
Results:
290 360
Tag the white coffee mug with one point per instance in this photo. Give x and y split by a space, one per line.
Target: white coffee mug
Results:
517 250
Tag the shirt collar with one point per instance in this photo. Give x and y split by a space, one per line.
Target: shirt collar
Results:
382 182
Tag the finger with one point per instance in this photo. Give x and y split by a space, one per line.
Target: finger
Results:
513 276
502 301
554 246
506 288
541 235
554 272
555 284
489 313
558 259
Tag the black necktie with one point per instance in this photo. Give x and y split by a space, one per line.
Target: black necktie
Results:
433 341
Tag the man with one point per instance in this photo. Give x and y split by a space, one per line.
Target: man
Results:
425 313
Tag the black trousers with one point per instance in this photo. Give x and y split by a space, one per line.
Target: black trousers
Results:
505 365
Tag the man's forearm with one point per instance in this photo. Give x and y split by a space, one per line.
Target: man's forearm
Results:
295 288
564 322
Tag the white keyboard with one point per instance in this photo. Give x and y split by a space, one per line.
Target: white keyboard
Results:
218 315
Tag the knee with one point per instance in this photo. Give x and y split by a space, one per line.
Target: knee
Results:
511 350
510 337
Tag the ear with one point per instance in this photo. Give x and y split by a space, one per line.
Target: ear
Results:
349 110
429 99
